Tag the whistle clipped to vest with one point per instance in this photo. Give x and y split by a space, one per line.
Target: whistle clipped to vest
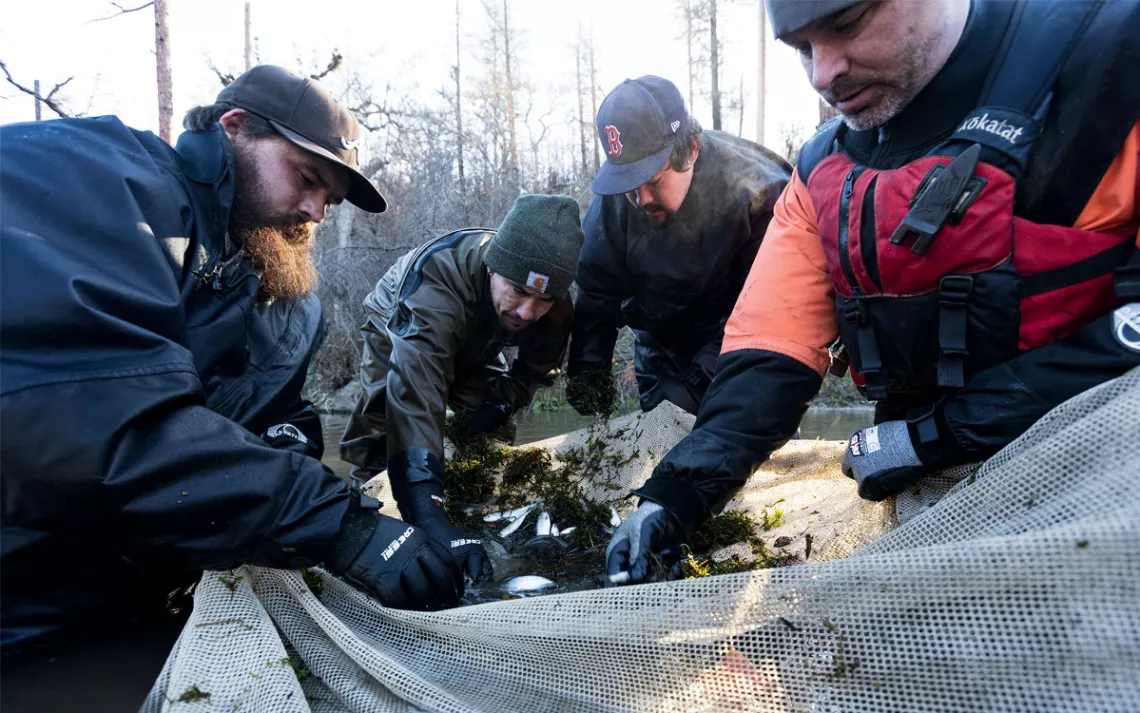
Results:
945 194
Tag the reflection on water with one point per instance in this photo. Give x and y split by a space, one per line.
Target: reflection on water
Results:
828 424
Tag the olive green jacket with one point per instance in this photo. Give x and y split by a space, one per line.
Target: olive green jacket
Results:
433 339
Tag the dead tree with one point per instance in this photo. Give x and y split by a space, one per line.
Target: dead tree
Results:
248 38
579 60
714 65
459 140
162 69
510 88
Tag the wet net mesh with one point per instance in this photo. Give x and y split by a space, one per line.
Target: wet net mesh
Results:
1010 587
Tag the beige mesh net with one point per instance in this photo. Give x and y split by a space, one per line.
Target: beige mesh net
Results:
1019 590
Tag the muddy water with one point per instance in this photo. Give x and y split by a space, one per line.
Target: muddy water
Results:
582 570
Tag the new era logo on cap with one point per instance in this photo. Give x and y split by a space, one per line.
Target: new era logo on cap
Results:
537 281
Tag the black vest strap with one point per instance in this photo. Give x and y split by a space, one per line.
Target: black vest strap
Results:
953 300
1091 267
1016 94
871 364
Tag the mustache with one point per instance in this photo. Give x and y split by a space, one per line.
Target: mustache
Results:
844 87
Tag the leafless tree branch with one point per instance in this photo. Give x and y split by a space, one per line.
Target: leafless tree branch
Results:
334 63
224 77
122 11
47 101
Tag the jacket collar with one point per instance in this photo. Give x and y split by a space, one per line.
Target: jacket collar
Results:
207 158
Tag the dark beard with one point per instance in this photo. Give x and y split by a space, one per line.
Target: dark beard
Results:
280 247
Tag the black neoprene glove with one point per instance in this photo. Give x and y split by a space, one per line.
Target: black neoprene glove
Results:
592 392
488 418
416 477
395 562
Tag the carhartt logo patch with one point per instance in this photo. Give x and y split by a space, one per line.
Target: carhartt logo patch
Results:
537 281
1126 326
613 138
675 125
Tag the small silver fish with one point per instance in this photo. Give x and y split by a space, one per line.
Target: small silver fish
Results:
615 519
510 514
554 531
544 525
515 524
568 530
526 583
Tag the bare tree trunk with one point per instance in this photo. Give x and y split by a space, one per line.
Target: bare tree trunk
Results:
689 46
714 62
248 38
510 89
594 100
459 138
36 86
740 108
162 65
761 95
581 105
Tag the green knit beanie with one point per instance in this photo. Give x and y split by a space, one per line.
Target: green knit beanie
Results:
538 243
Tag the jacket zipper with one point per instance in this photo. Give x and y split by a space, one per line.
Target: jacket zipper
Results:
844 214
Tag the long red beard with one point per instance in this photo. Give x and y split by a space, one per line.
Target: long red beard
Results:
284 257
280 246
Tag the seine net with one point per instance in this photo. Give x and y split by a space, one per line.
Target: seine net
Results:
1016 590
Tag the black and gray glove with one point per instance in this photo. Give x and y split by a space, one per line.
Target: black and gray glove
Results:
650 534
416 477
882 460
487 419
398 564
592 392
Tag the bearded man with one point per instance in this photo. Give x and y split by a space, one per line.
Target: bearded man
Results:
157 324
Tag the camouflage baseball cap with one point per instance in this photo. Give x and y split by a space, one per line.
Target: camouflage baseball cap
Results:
302 111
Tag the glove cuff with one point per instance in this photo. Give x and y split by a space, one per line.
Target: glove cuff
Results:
416 478
932 439
679 498
356 528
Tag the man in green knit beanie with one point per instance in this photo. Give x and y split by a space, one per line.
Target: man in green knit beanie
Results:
437 324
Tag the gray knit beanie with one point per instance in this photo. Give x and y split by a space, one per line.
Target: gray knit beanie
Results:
538 243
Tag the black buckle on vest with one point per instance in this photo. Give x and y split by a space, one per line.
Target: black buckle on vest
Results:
840 362
942 193
953 298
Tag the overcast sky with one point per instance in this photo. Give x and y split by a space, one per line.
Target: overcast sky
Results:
408 44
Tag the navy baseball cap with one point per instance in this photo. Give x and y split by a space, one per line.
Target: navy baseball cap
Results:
636 125
789 16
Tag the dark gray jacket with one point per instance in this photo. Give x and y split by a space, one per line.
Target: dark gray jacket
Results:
138 376
431 331
678 282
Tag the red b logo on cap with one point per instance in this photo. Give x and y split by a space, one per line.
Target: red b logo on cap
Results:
613 136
